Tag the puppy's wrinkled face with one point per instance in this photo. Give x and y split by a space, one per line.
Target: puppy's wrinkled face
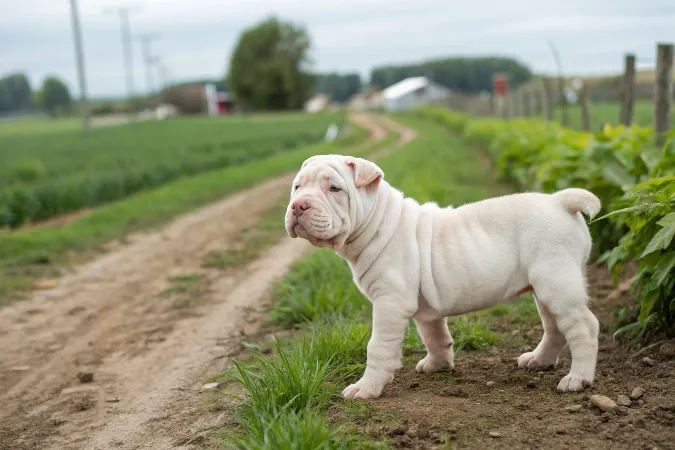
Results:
331 196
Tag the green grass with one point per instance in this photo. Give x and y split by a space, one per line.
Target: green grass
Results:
48 174
319 297
26 255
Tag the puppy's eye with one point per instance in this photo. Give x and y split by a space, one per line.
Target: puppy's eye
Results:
296 187
335 189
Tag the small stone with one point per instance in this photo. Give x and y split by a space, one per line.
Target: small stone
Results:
637 393
667 350
532 384
85 377
640 402
603 403
640 423
490 383
413 385
423 433
573 408
20 368
605 417
112 399
210 387
647 361
495 434
561 431
623 400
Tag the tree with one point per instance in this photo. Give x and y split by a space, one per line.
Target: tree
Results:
268 68
15 93
470 75
338 87
54 96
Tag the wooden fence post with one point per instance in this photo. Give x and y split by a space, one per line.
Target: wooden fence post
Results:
546 100
627 93
585 109
533 94
663 92
562 101
525 99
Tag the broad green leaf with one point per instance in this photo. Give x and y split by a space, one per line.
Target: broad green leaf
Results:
648 302
669 219
663 268
662 239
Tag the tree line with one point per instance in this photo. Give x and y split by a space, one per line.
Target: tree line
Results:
468 75
17 95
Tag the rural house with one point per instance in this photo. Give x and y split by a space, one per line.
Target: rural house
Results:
413 92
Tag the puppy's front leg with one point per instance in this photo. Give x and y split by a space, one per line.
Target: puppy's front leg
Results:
390 321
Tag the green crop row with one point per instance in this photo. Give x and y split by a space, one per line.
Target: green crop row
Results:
634 180
49 174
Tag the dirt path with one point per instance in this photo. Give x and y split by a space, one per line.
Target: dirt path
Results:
148 321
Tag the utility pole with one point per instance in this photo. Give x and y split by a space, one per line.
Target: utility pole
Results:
79 57
125 29
146 40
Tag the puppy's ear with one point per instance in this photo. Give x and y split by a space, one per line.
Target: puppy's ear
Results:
366 173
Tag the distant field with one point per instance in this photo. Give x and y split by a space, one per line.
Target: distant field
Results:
50 168
608 112
35 125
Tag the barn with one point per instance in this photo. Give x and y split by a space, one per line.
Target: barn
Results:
413 92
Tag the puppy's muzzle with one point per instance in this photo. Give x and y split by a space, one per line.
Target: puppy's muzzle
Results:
299 207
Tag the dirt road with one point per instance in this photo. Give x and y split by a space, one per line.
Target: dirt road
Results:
147 322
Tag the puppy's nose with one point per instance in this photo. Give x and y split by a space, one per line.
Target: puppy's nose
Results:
300 206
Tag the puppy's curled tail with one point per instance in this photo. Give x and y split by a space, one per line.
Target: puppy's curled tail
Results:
579 200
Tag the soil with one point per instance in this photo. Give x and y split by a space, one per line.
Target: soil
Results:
486 402
114 354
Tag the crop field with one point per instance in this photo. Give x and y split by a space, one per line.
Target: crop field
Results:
47 174
182 314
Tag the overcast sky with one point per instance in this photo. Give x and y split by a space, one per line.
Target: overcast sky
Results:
197 36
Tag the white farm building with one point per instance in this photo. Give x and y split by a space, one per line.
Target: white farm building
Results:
413 92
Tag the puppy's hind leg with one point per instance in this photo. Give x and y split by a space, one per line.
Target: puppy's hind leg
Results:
438 341
561 288
545 356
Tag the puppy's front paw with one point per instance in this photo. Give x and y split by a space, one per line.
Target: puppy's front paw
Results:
431 364
574 383
533 361
363 389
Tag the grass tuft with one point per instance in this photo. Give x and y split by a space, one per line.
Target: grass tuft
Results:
319 285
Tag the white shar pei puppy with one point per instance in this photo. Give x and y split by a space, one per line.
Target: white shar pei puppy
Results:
427 263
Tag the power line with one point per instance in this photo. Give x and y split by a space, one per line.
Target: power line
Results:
79 57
